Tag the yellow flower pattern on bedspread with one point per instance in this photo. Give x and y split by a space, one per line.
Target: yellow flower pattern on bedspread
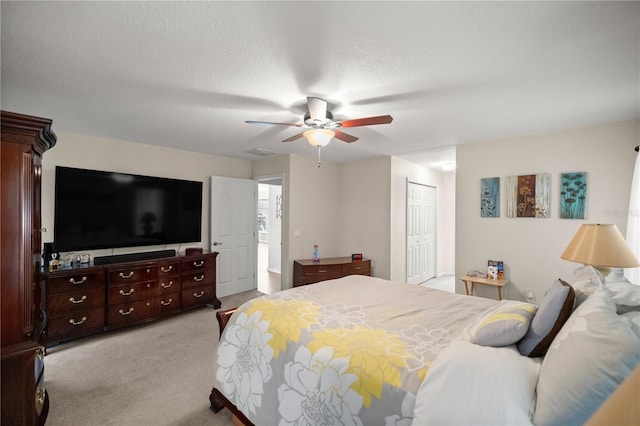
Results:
308 357
285 318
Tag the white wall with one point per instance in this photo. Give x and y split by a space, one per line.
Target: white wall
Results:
530 247
91 152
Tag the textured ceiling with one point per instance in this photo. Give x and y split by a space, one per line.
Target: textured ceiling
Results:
187 74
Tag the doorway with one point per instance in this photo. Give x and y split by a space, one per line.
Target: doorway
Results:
421 233
269 224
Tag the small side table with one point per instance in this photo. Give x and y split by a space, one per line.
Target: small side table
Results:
483 281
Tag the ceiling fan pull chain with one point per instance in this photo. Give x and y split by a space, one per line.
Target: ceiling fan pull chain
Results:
319 147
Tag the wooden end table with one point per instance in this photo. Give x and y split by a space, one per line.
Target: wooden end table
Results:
483 281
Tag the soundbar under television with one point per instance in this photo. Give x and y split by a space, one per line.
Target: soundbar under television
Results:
101 210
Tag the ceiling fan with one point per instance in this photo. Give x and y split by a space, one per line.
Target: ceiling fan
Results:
321 126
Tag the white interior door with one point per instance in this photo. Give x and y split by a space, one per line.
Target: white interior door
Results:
233 233
421 234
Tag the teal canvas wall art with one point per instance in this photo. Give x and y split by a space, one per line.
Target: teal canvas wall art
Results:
573 195
490 197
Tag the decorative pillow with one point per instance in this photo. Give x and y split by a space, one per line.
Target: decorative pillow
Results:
586 280
593 353
554 310
504 325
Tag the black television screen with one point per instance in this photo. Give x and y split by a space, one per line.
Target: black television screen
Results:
97 210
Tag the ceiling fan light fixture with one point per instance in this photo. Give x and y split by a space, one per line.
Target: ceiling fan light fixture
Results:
319 137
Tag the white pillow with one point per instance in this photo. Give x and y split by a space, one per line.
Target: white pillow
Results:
480 385
624 292
633 319
592 354
586 280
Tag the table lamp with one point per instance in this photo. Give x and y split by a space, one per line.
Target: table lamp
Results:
601 246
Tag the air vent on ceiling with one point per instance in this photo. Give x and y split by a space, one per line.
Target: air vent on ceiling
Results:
261 152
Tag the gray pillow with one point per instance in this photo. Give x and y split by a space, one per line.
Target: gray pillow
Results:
504 325
593 353
554 311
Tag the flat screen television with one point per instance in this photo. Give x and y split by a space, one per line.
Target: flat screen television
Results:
99 210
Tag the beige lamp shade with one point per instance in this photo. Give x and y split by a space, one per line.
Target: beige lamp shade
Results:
600 245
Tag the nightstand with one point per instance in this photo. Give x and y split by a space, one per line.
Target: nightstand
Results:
483 281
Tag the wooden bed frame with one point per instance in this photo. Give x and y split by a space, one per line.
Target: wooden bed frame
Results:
216 398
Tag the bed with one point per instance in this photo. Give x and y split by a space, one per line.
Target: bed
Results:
366 351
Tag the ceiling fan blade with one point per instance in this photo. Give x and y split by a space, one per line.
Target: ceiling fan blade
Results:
270 122
294 138
369 121
344 136
317 108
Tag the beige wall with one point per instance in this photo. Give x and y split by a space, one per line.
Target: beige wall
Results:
531 248
91 152
365 212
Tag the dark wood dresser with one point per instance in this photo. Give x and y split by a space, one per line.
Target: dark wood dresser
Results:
86 300
24 140
308 271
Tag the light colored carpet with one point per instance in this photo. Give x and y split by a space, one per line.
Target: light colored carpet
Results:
160 373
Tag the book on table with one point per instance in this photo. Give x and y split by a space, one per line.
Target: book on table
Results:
495 269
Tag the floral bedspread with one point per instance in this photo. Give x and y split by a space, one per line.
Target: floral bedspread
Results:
350 351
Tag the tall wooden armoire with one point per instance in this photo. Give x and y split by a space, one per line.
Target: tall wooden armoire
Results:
24 398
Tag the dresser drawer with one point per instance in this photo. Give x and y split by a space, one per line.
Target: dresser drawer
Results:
357 268
168 304
168 269
168 285
321 272
198 296
197 264
198 279
131 275
75 281
75 324
130 313
62 303
132 292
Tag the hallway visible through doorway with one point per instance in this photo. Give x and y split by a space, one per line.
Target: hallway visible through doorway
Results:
269 229
268 282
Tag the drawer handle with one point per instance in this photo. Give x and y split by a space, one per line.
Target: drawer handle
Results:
122 312
73 280
163 269
129 275
198 279
74 322
74 301
322 271
357 268
198 295
163 303
167 285
127 294
198 263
